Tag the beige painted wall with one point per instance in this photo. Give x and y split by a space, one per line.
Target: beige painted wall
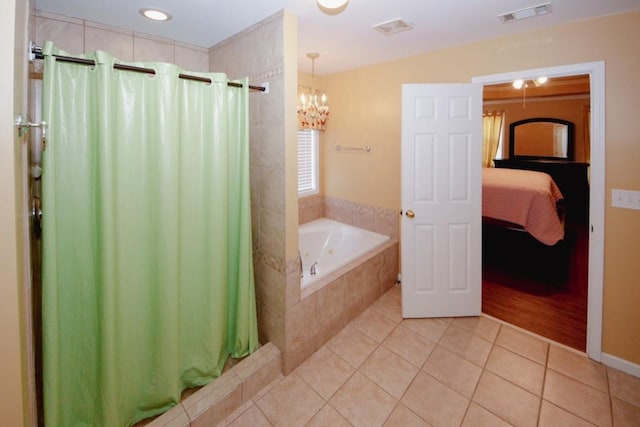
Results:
13 392
365 109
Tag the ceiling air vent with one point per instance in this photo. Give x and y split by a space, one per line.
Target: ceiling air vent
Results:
392 27
529 12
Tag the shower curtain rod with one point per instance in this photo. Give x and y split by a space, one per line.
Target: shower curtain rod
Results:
37 52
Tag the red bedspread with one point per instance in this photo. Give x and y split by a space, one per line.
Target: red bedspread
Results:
526 198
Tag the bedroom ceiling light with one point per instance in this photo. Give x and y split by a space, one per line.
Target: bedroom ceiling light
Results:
313 110
332 7
155 14
522 84
528 12
538 81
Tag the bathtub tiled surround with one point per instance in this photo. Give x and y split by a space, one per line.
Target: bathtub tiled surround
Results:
314 318
379 220
211 404
310 208
383 370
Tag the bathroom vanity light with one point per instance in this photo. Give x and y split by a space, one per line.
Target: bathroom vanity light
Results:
155 14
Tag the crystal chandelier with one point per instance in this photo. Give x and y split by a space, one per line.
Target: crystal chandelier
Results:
313 110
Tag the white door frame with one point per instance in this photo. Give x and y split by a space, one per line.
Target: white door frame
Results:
597 184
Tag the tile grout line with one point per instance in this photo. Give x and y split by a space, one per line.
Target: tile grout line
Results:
484 369
314 391
466 411
399 400
420 369
345 361
606 371
379 345
449 322
258 396
566 375
580 416
374 350
544 381
436 379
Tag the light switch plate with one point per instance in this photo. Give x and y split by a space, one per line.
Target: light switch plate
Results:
627 199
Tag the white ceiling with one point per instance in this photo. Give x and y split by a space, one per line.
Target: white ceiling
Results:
344 41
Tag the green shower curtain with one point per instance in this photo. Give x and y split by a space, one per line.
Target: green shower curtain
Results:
147 260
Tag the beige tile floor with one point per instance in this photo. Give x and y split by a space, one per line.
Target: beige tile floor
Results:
383 370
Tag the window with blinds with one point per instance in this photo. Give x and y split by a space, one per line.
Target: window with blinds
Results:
307 162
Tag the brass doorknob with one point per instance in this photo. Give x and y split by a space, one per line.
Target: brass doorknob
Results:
410 214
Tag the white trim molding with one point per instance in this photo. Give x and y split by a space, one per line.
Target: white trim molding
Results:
621 364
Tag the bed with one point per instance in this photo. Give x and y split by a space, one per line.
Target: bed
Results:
524 200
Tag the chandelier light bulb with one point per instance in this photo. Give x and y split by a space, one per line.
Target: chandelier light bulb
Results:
518 83
312 114
541 80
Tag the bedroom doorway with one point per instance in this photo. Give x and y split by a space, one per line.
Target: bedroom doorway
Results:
526 298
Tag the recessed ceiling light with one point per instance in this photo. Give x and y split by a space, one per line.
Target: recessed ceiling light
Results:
332 4
155 14
332 7
528 12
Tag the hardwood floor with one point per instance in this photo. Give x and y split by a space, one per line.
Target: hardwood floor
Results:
539 288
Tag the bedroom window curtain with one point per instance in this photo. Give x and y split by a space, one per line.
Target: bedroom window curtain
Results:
148 280
586 122
491 132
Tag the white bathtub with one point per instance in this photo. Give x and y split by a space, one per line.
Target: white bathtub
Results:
333 246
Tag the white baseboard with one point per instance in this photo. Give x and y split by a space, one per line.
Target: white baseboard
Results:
621 364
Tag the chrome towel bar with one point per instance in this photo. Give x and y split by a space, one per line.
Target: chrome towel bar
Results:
366 148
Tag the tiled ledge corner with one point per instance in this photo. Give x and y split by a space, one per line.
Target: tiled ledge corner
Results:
213 402
175 417
258 370
217 400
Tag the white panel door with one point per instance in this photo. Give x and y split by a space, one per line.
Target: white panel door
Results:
441 200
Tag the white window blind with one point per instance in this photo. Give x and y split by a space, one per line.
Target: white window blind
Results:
307 162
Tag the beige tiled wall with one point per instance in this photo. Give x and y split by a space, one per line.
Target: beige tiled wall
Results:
258 53
77 36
